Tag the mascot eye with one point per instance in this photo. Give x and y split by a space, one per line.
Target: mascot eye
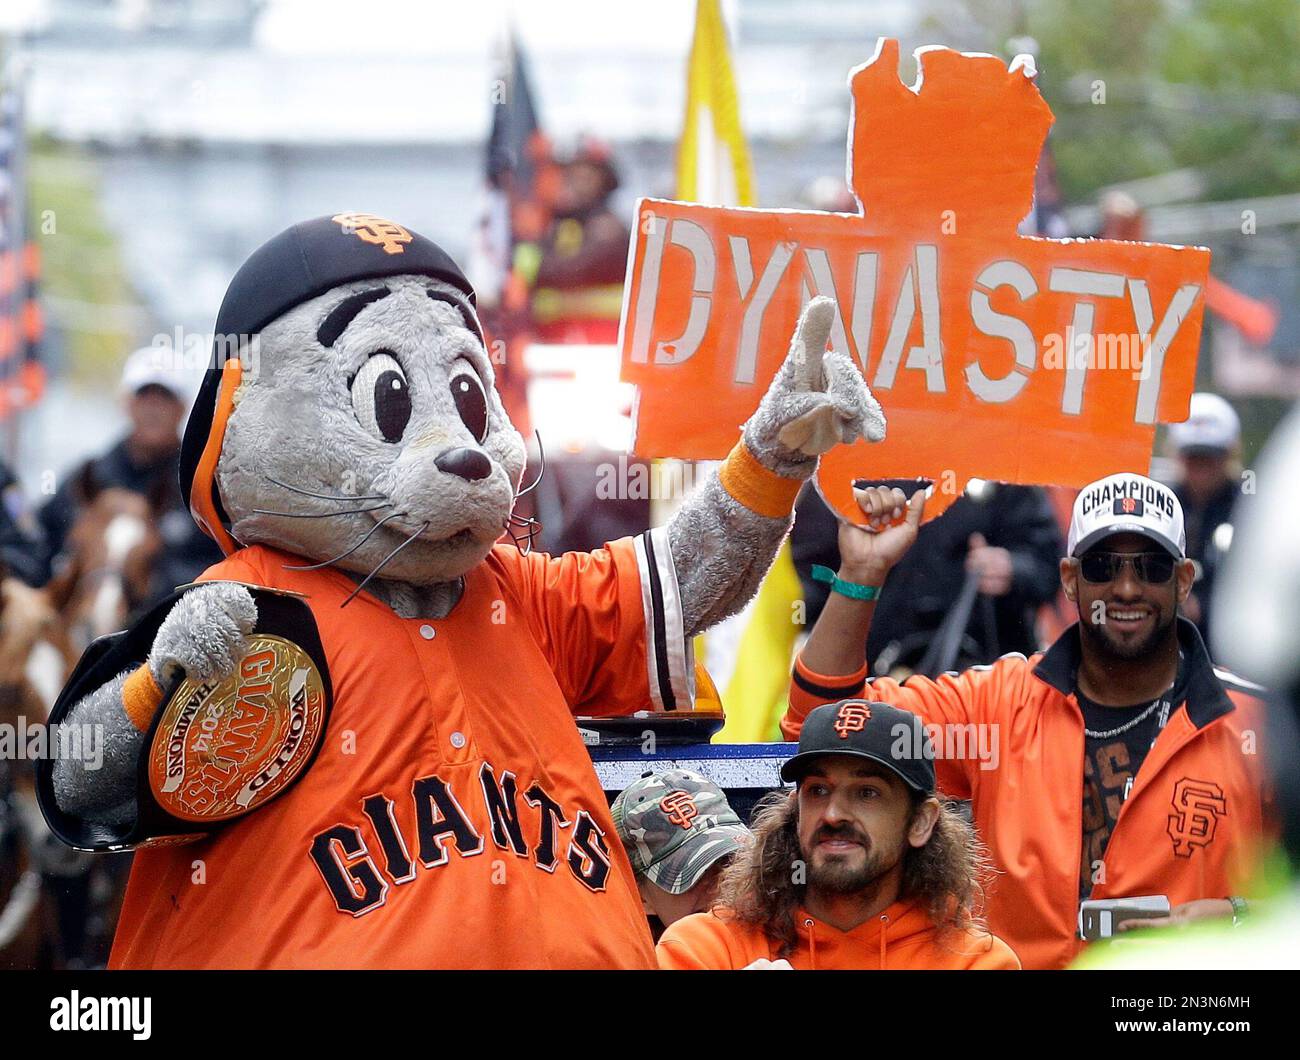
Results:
381 397
471 403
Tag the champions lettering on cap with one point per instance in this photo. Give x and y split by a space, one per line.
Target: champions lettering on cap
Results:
299 264
884 734
1127 504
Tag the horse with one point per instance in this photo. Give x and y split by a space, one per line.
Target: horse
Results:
27 850
103 579
106 573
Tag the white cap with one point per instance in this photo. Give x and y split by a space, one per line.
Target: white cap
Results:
1127 504
1211 424
156 366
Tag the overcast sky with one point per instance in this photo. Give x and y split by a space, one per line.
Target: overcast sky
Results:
449 26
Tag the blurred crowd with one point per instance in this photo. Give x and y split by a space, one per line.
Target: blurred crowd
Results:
992 577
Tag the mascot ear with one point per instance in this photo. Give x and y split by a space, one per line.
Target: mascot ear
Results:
201 451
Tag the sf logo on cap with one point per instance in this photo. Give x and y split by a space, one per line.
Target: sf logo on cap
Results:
378 231
679 807
852 717
1128 506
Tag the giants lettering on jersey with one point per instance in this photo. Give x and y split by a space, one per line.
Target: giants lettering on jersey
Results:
358 873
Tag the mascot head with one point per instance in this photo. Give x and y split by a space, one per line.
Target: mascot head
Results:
349 413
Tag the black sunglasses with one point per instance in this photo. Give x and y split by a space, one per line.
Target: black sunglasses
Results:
1154 568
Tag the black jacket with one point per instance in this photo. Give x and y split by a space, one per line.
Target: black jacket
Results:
927 581
20 551
1200 521
187 552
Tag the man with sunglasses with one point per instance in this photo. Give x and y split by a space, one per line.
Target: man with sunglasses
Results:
1127 765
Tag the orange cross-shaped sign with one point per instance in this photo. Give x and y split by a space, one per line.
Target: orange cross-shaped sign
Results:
994 355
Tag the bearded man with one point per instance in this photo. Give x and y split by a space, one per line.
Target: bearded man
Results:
860 867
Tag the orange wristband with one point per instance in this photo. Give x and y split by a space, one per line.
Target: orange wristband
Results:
142 697
759 489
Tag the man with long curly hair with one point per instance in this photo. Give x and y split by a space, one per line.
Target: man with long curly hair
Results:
860 867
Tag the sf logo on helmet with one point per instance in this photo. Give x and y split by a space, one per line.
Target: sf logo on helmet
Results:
378 231
679 807
852 717
1198 805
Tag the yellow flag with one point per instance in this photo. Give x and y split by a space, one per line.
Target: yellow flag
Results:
713 166
757 694
713 163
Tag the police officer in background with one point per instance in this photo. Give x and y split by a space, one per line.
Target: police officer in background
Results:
1208 448
146 461
581 259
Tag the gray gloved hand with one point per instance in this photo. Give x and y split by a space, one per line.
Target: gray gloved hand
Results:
205 634
817 400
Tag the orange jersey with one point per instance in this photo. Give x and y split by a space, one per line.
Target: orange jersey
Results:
1192 826
453 817
902 937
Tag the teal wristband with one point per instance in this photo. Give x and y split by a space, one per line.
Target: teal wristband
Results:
839 585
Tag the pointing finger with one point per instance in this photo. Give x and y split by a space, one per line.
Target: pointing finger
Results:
809 343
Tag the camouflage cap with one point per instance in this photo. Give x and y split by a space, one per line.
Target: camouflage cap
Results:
675 825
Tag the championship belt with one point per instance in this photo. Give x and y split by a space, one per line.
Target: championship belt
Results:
215 750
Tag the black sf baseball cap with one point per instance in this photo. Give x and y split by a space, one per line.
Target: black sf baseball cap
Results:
884 734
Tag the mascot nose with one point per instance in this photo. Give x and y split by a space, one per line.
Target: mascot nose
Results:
467 463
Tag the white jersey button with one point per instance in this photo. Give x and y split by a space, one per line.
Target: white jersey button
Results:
458 740
427 632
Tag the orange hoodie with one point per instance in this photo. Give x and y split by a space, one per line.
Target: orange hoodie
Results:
903 936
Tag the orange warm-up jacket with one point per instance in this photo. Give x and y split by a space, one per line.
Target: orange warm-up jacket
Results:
1193 825
902 937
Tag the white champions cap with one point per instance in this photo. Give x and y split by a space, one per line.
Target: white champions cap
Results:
151 366
1127 504
1212 425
